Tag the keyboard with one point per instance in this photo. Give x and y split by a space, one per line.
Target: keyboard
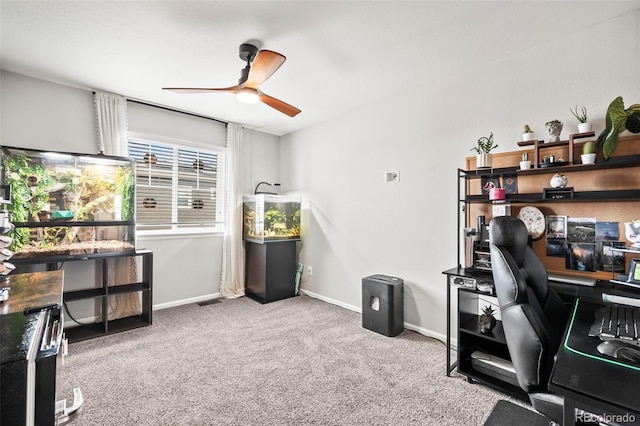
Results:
613 322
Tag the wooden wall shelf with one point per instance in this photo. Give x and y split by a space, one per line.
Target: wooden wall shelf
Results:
539 145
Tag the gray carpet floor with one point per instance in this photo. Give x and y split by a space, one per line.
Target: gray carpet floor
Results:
298 361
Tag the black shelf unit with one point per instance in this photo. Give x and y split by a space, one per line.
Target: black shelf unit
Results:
579 196
101 291
470 339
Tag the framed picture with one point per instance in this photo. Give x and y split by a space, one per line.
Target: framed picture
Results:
608 259
634 271
510 184
581 230
556 226
556 248
607 231
488 183
580 257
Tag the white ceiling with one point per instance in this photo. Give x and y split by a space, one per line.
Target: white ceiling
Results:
340 54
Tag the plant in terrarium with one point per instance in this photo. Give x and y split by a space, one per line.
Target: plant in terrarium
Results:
29 194
274 221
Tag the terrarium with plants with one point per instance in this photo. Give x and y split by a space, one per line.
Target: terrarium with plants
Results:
271 217
68 204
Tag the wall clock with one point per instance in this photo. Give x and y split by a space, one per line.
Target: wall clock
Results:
534 221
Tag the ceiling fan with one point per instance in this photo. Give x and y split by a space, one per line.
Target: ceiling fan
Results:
260 66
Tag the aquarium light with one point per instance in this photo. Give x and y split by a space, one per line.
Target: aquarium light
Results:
255 191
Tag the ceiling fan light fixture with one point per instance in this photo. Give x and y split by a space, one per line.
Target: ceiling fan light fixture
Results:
248 96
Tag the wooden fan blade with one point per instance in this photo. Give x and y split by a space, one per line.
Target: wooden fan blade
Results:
281 106
264 65
231 89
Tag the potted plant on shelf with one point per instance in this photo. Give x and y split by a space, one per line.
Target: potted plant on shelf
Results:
588 153
483 149
583 125
527 134
617 120
487 321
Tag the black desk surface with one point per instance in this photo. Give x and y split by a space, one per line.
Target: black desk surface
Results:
28 291
589 377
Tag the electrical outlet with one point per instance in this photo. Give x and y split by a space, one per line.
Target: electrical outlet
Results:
392 177
309 270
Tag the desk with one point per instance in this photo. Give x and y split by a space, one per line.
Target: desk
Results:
28 348
589 380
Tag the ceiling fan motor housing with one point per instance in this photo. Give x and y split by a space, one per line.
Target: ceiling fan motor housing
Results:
248 52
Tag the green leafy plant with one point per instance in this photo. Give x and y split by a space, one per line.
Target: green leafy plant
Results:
485 145
581 116
616 121
488 311
29 183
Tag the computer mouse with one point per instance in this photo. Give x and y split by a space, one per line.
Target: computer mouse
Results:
620 350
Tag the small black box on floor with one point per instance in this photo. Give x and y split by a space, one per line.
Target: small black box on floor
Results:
383 304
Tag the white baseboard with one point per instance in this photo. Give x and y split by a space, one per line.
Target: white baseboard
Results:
181 302
425 332
332 301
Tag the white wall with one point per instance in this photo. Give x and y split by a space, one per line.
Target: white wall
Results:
48 116
356 225
41 115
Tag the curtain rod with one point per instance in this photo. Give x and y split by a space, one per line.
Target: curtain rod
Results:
137 101
141 102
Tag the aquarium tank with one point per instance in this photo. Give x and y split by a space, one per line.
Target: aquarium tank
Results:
271 218
68 204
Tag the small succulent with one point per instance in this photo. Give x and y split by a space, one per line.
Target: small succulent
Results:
488 311
485 145
525 156
581 116
588 148
527 129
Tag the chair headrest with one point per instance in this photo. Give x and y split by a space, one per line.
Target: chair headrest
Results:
510 233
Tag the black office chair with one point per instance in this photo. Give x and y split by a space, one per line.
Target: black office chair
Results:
533 316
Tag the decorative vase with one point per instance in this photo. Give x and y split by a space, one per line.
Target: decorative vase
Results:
483 161
554 129
632 232
487 323
584 127
588 158
558 180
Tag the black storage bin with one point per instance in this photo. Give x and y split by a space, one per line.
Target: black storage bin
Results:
383 304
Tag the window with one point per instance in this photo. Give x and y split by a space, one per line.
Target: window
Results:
177 187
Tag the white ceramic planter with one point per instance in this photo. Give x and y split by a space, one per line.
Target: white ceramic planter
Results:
527 136
584 127
588 158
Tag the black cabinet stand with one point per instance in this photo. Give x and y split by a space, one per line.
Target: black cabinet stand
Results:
270 270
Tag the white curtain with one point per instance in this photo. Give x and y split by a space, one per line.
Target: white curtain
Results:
111 123
111 128
232 283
